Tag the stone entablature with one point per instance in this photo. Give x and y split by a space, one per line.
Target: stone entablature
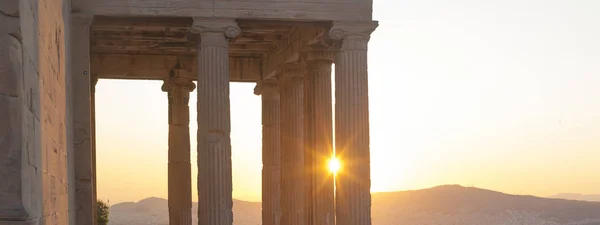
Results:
350 10
148 48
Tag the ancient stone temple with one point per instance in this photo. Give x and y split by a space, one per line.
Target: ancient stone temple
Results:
52 53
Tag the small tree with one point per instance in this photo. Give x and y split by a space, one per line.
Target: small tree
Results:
102 212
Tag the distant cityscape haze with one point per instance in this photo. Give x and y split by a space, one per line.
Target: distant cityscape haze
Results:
501 95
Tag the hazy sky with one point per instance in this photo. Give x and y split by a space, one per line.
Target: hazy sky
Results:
502 95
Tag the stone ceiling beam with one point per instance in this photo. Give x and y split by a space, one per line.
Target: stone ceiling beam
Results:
289 48
326 10
158 67
182 45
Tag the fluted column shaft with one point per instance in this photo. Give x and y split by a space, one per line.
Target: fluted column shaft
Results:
179 168
318 131
353 182
292 152
215 201
271 153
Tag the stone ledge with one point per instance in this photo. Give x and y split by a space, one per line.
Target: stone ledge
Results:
28 222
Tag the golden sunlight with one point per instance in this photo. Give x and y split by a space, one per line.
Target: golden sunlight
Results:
334 165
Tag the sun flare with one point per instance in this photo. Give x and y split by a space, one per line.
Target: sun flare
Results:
334 165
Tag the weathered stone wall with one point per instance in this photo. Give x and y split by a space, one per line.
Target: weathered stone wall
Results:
53 110
11 118
33 112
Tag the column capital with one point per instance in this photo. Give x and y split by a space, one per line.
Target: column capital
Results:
266 87
319 56
203 25
318 52
352 30
184 84
291 71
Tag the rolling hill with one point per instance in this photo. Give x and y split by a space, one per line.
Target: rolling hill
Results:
442 205
579 197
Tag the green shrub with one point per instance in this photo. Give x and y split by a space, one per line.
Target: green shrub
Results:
102 212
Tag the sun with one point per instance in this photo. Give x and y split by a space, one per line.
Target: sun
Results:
334 165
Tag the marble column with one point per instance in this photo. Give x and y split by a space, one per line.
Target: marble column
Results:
271 152
353 182
292 147
215 202
179 168
318 137
83 85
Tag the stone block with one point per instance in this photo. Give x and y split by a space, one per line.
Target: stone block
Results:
10 159
9 7
63 218
62 126
61 170
37 138
28 222
50 219
31 161
29 30
29 145
10 64
52 161
31 87
33 188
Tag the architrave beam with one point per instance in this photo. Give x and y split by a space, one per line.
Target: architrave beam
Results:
158 67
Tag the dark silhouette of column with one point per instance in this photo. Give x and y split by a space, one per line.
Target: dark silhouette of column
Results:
318 136
179 168
292 147
271 152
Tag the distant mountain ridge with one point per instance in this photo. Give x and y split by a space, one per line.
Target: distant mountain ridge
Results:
578 197
155 211
466 205
442 205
